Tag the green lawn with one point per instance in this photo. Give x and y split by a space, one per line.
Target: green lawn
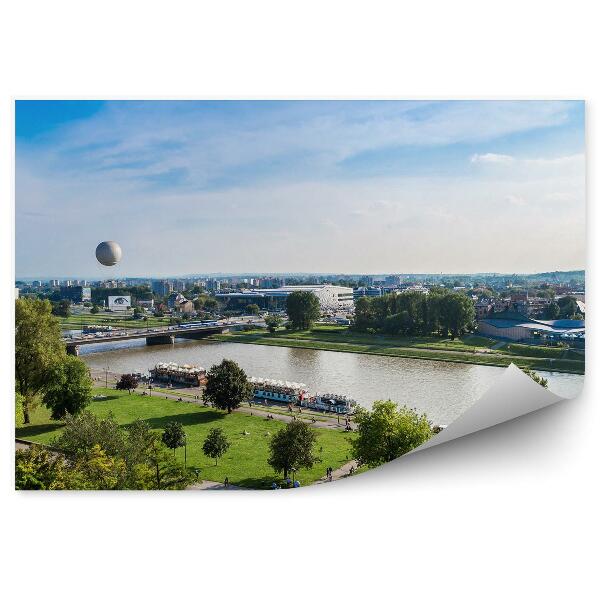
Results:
470 349
102 318
246 461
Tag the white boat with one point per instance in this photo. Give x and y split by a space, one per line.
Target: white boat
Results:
275 390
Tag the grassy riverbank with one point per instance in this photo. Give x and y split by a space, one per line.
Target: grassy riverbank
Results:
245 463
469 349
102 318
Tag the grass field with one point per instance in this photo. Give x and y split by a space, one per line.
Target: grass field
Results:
102 318
246 461
470 349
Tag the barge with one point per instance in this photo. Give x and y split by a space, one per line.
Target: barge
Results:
174 374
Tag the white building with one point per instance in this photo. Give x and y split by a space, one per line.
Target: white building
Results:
331 297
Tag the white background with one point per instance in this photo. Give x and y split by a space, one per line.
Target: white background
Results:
507 513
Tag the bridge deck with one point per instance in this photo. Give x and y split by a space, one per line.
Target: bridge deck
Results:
162 332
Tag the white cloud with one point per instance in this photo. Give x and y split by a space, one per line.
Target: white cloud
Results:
491 158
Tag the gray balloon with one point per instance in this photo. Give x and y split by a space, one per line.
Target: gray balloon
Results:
108 253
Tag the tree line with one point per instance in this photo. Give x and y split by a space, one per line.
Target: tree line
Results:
440 312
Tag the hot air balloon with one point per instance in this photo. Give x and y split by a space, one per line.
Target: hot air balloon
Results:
108 253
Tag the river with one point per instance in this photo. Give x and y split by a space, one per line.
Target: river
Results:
442 390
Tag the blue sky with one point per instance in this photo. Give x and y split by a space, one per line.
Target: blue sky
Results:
342 186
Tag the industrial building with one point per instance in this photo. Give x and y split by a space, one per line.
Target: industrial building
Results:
513 326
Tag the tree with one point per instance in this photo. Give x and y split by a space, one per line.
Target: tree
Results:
552 311
127 382
173 436
253 309
292 448
38 347
272 322
457 314
537 378
227 386
69 387
18 409
37 469
387 432
211 304
568 307
83 431
147 462
95 309
215 444
303 309
61 308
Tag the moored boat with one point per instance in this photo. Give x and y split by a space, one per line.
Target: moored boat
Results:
172 373
273 390
334 403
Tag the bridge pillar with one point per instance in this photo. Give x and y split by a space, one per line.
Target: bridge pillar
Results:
73 350
160 339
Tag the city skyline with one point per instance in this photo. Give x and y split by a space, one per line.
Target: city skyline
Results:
306 187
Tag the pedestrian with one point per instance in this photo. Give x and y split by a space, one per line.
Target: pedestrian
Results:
226 482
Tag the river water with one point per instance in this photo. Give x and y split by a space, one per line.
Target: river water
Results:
442 390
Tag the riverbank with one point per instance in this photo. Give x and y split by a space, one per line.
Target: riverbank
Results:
245 463
471 349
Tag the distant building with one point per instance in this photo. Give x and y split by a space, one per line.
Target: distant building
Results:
331 297
179 303
76 293
371 291
513 326
161 287
145 303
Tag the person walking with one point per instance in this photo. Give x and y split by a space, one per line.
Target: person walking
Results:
226 482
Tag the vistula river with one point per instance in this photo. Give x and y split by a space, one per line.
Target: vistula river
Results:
442 390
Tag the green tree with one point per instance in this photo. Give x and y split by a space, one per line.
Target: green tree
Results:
457 314
95 309
273 322
147 462
215 444
38 469
552 311
227 386
173 436
62 308
292 448
69 387
127 382
211 304
18 409
253 309
568 307
38 347
387 432
303 309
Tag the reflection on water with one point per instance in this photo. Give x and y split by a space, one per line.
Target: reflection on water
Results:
440 389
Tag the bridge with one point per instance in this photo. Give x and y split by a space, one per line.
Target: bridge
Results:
157 335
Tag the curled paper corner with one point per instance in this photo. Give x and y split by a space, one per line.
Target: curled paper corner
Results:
513 395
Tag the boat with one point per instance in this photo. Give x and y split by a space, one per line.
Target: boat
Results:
290 392
334 403
173 373
274 390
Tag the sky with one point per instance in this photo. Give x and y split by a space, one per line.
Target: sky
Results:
299 186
